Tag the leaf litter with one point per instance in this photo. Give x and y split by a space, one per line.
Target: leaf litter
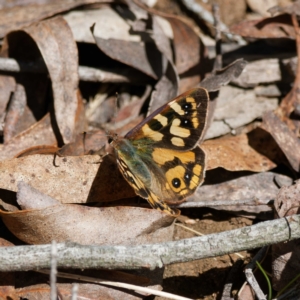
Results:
63 101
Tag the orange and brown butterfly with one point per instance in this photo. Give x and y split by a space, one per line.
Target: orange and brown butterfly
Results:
160 157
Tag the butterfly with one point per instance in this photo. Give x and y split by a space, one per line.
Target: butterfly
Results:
160 157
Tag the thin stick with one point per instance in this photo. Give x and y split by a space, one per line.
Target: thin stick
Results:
205 15
85 73
132 287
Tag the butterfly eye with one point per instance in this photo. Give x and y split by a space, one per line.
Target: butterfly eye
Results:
176 182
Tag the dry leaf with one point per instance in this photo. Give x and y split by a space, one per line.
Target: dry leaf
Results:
221 185
68 181
39 134
274 27
13 17
90 225
285 138
235 154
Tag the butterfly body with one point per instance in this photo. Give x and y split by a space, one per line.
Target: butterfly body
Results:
160 157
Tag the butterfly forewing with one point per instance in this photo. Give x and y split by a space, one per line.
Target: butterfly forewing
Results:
177 125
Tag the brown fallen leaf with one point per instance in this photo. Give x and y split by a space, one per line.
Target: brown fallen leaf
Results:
7 86
30 198
15 16
122 51
191 58
19 117
188 47
289 106
43 149
90 225
168 85
252 192
53 36
284 137
235 154
84 143
28 103
274 27
38 135
68 181
109 184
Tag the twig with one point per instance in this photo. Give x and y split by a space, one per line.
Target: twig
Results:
85 73
128 286
71 255
226 295
218 63
254 285
250 276
206 16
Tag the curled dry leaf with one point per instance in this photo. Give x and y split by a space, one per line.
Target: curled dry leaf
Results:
38 135
14 17
54 36
285 255
90 225
19 117
54 39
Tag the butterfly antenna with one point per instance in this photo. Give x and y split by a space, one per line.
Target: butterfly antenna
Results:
115 112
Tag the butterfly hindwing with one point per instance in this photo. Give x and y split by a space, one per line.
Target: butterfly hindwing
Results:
183 172
178 124
142 190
